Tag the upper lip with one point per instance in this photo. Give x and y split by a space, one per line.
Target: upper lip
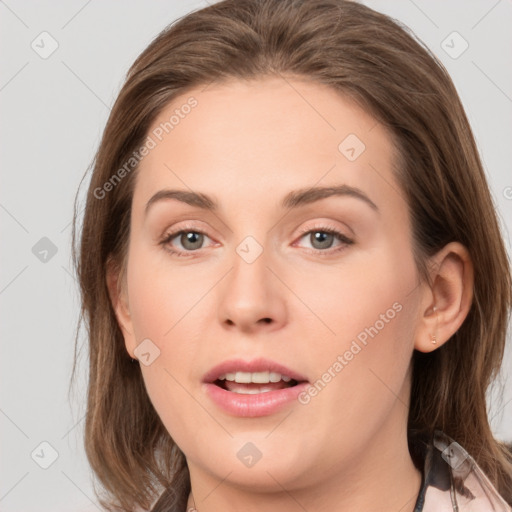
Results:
255 365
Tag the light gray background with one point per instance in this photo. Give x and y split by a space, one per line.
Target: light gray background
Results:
53 111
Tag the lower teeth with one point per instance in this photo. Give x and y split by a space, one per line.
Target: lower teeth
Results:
253 391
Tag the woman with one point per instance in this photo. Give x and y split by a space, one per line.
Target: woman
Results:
289 227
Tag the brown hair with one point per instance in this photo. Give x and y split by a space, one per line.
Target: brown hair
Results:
372 59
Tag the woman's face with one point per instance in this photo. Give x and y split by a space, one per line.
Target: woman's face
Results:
262 276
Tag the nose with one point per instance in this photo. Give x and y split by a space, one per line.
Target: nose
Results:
252 297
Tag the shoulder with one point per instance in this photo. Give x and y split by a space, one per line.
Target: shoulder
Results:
453 481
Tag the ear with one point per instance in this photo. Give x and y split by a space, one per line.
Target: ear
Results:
446 302
118 292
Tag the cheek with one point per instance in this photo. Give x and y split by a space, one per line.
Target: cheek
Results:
166 309
366 314
160 295
370 289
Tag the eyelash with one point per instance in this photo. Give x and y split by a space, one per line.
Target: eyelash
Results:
322 229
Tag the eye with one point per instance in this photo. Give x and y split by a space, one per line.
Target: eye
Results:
323 237
190 239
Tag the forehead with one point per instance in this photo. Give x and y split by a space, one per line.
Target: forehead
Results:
255 139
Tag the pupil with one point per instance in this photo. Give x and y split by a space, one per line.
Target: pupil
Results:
321 236
192 237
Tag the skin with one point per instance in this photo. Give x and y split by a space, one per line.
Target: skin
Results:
248 144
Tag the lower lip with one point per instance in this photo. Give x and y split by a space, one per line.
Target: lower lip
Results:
250 406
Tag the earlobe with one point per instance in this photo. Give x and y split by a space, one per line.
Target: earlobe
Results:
119 298
446 303
434 336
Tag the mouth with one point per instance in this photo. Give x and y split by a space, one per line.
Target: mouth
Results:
251 377
251 383
253 389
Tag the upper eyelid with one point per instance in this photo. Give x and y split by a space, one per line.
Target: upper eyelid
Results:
190 228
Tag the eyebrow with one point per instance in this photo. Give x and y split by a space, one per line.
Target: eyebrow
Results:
293 199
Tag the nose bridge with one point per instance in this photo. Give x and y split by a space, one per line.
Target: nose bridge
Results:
251 292
249 278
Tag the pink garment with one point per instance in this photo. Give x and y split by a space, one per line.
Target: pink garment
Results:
453 482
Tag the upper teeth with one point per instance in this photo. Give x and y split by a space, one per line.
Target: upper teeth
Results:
258 377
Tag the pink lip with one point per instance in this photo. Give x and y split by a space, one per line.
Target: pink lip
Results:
250 406
260 404
256 365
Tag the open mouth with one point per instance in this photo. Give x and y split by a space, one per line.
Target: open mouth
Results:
250 389
253 383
